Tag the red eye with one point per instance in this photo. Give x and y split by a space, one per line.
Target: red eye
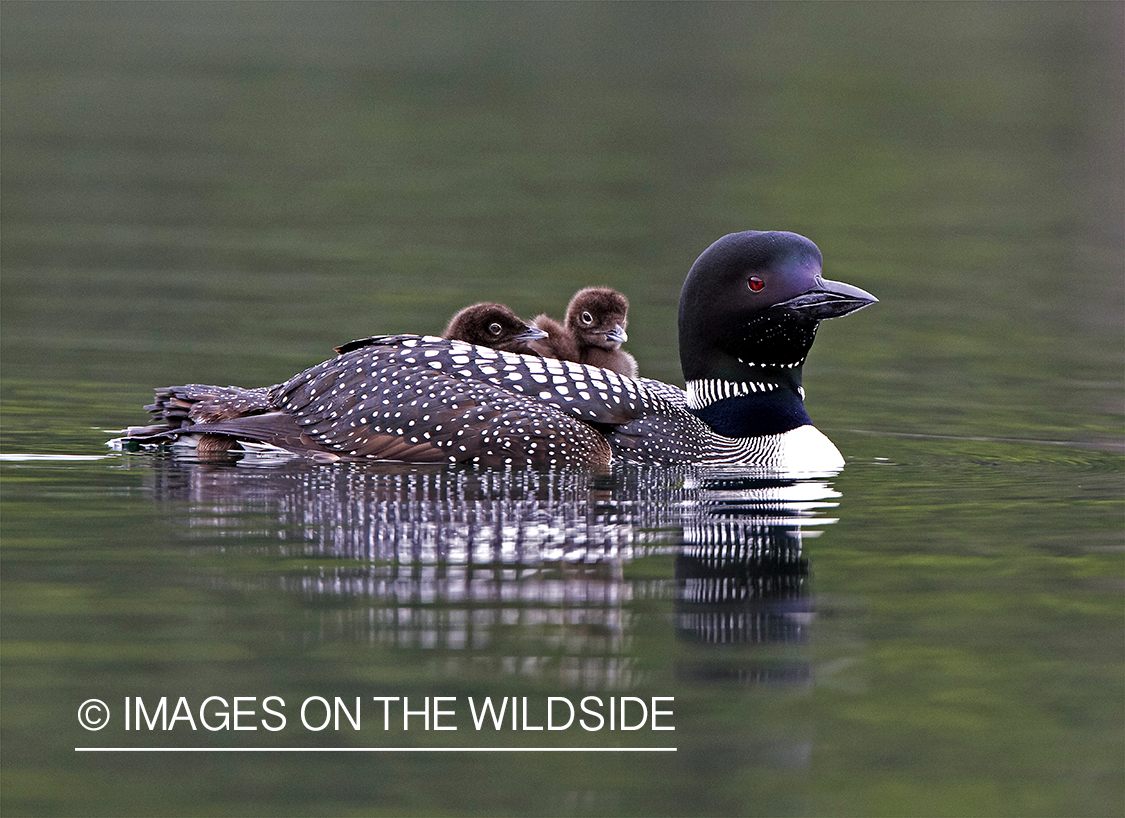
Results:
755 283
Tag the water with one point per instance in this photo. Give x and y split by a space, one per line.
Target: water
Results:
224 193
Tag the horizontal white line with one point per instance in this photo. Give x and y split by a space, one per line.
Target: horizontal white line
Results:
19 458
375 749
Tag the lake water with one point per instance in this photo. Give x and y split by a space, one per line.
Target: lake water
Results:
222 193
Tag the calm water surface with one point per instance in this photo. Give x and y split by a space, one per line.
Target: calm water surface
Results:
224 193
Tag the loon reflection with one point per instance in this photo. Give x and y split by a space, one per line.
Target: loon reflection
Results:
556 566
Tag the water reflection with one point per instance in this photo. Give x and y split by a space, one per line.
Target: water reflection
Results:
524 572
741 573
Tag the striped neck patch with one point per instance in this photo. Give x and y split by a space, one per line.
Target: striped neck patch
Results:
704 392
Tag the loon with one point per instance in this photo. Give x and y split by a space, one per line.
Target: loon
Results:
492 325
593 332
749 311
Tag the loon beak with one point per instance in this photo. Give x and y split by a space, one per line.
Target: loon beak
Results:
530 334
617 335
829 299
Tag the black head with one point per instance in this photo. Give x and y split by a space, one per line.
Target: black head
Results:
492 325
751 304
597 317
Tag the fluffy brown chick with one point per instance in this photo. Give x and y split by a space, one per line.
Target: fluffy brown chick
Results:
593 333
492 325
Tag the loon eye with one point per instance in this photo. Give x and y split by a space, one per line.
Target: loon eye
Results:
755 283
494 328
587 318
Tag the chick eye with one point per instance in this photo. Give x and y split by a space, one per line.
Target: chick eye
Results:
494 328
587 318
755 283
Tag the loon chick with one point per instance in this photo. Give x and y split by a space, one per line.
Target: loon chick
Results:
492 325
486 324
749 311
593 332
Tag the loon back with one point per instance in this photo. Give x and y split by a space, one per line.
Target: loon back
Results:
748 314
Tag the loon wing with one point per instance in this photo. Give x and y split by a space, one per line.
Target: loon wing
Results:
391 400
390 366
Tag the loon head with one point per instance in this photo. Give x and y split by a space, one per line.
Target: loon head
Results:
492 325
597 317
751 304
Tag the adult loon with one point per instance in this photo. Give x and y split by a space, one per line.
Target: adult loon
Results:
593 331
749 310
